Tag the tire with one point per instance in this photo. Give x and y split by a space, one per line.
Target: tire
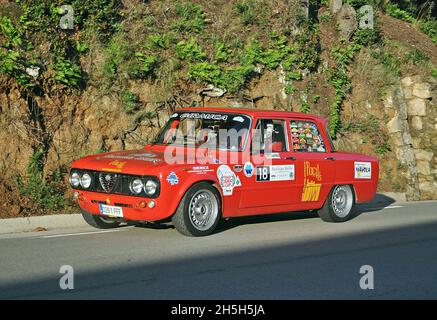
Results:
99 222
199 211
338 205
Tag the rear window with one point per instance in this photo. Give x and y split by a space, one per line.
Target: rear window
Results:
306 137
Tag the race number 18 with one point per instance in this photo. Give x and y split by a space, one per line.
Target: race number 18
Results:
262 173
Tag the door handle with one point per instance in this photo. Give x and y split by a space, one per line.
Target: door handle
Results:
330 158
290 158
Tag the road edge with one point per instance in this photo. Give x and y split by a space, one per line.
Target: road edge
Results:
41 223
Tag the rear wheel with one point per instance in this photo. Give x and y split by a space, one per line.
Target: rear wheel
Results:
199 211
99 222
338 205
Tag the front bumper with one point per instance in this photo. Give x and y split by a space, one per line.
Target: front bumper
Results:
134 208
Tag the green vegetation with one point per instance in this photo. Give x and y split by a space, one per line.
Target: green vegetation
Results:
369 127
45 194
68 73
189 50
409 11
395 11
304 106
131 102
339 79
429 27
191 17
245 9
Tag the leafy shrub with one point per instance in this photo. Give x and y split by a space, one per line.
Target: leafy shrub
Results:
221 52
289 89
340 81
367 37
12 34
44 194
191 17
394 11
304 106
417 56
14 65
429 27
316 98
390 62
245 9
67 72
325 16
190 50
157 41
131 102
44 15
142 66
117 52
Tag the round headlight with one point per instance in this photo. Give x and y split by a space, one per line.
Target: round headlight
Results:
85 181
136 186
75 179
151 187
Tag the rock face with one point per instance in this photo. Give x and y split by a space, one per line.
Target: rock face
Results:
335 5
413 132
347 21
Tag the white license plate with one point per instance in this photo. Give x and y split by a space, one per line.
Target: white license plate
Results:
111 211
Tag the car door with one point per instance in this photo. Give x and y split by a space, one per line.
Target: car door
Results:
315 162
270 174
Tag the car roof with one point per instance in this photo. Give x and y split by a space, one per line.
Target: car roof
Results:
258 113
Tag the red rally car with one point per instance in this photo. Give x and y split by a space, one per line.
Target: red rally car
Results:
213 163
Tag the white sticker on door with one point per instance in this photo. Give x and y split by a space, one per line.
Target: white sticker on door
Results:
228 179
363 170
275 173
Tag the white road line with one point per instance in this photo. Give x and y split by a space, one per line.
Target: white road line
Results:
80 233
382 208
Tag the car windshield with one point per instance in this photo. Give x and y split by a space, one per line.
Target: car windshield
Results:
225 131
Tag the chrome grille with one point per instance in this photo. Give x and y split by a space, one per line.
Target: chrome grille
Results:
108 181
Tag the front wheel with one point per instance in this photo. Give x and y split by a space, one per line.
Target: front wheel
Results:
199 211
98 221
338 204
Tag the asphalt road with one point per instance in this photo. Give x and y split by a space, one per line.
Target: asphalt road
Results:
286 256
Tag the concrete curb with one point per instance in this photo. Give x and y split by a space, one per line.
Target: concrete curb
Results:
61 221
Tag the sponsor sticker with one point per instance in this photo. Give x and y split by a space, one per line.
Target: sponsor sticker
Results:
227 179
172 178
238 168
238 118
275 173
248 169
363 170
272 155
118 164
207 116
312 182
200 170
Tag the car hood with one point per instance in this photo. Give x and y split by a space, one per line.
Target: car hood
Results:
131 162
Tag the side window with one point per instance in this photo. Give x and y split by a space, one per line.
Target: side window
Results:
306 137
270 136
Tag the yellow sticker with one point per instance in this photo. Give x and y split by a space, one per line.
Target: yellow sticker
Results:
118 164
311 189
